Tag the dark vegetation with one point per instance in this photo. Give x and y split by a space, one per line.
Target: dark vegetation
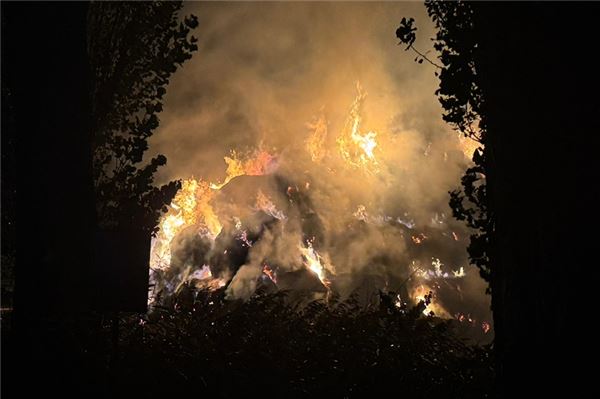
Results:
131 64
512 77
266 347
462 100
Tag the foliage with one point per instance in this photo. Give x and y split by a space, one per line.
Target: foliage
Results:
132 62
268 345
461 98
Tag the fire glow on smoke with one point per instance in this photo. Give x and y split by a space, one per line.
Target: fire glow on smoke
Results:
276 214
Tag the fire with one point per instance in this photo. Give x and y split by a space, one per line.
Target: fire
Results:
202 274
486 327
358 150
259 162
462 318
425 293
192 205
270 273
264 203
315 144
206 214
418 238
361 213
314 262
180 215
437 272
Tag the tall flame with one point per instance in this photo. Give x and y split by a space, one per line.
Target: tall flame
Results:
182 213
314 262
355 148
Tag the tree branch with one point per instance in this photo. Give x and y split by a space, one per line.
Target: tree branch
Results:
423 56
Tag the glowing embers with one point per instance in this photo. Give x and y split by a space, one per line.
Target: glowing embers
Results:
437 272
418 238
427 283
425 297
358 149
270 273
485 326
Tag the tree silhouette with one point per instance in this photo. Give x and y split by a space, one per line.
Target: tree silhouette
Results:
132 62
462 101
510 81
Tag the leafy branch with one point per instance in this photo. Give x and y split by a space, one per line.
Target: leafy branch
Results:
406 34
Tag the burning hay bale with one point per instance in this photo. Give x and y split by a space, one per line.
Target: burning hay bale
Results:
311 221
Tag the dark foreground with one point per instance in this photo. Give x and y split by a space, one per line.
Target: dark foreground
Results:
263 347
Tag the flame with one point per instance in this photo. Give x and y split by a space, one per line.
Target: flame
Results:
361 213
180 215
205 211
459 273
419 238
192 205
485 326
259 162
315 144
376 219
201 274
420 293
355 148
243 236
264 203
314 262
437 272
270 273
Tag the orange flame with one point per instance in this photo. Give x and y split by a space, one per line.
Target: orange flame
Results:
192 205
314 262
420 292
257 163
355 148
270 273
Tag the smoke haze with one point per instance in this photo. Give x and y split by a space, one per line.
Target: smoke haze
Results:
264 74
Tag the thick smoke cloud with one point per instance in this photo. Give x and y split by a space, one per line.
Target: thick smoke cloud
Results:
264 71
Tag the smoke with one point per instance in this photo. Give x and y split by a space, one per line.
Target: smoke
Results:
264 75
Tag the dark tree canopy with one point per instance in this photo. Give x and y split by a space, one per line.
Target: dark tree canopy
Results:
511 78
462 100
132 63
